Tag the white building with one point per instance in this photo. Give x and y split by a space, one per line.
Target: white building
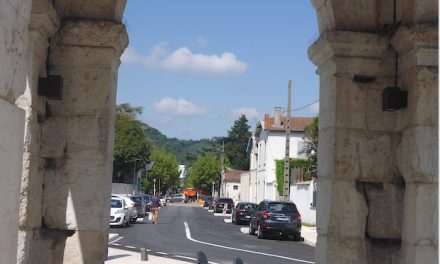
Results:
230 186
269 142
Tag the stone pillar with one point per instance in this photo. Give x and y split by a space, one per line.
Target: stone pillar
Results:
417 47
44 22
14 20
357 169
77 140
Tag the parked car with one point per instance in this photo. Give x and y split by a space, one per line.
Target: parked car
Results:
163 201
207 201
146 200
176 198
220 203
282 218
119 215
132 209
140 206
242 212
213 202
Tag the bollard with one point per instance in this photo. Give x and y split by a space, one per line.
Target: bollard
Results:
144 254
238 261
201 258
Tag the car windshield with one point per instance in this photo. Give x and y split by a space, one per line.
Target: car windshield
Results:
282 208
247 206
116 203
225 200
136 199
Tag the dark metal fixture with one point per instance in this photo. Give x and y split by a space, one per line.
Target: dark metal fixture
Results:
51 87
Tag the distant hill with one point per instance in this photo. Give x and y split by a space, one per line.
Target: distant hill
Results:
185 150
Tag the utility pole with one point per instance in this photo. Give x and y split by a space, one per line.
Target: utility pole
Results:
223 169
286 191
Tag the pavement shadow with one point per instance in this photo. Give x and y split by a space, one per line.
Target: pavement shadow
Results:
117 256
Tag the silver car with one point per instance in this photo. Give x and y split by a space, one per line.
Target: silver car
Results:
132 210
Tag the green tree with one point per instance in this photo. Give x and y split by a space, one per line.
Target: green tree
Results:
294 163
311 147
127 109
165 170
131 147
236 143
205 170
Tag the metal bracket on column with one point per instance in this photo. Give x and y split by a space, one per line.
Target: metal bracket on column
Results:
51 87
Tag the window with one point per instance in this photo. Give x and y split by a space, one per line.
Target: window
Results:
235 187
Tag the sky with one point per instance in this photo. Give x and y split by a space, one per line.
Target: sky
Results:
195 66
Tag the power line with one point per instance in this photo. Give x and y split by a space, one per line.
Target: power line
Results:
302 107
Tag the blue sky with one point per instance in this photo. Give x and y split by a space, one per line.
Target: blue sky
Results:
196 65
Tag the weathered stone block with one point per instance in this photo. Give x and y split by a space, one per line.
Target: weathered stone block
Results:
355 154
342 210
13 45
85 247
11 147
420 222
341 250
71 200
422 86
87 91
417 154
385 205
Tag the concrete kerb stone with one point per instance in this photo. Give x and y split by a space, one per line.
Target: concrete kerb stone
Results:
220 214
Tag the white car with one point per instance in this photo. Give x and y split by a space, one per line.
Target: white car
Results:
132 210
119 212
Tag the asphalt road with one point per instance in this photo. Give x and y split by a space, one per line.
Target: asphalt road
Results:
182 230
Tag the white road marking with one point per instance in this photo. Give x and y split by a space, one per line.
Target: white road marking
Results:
130 247
162 253
116 244
188 235
116 240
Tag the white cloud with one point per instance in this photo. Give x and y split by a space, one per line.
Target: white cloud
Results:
178 107
314 108
251 113
184 60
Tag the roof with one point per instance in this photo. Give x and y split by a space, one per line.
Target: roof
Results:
296 123
232 175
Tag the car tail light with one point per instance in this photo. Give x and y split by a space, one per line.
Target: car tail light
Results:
299 216
233 204
265 214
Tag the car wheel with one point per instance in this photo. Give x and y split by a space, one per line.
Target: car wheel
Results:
260 234
133 220
251 230
236 221
297 236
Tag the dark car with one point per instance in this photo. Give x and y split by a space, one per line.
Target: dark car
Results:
242 212
221 202
281 218
207 201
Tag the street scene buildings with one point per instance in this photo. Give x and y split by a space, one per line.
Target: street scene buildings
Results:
376 198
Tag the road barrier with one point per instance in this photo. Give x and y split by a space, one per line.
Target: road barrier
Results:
144 254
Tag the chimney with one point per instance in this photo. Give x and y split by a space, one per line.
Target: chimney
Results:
277 117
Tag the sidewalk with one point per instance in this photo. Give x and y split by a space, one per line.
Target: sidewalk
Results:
309 234
132 255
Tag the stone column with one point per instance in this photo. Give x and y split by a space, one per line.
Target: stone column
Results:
14 20
44 22
417 46
357 140
77 140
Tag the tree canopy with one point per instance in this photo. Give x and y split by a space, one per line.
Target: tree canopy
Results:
131 146
165 170
205 171
311 147
236 143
